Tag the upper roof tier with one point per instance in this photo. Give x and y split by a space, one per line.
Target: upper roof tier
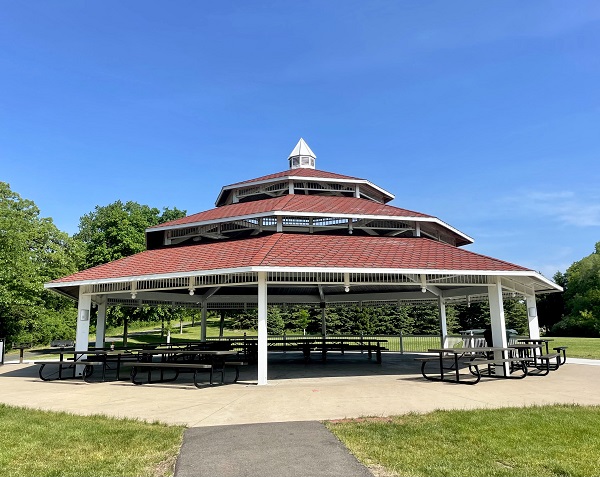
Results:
303 200
302 178
304 214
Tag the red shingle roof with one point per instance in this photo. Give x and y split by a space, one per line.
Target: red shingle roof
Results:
301 172
298 203
297 250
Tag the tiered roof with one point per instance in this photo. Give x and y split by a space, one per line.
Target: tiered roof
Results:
299 224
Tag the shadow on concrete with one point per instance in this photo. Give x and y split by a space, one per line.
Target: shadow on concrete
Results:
286 366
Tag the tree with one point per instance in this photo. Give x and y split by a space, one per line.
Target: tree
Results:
115 231
118 230
302 319
32 251
582 298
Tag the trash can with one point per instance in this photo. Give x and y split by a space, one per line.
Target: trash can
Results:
2 341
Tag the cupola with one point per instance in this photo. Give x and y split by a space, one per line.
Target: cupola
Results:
302 157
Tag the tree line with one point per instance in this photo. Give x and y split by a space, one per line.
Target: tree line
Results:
34 251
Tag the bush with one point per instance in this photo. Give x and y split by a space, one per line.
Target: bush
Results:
583 325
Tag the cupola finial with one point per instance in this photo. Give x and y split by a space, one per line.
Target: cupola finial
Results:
302 156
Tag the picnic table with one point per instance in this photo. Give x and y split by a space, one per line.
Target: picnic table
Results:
449 360
325 344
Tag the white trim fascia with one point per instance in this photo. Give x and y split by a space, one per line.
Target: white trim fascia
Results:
160 276
324 215
517 273
298 178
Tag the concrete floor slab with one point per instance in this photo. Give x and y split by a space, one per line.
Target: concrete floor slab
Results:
346 386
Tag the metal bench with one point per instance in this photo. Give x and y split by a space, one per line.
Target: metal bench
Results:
561 349
62 366
452 367
545 366
489 373
177 368
236 365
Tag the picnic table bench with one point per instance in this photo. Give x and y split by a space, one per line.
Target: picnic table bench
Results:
177 368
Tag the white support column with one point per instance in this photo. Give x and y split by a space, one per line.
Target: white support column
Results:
101 325
443 324
498 322
262 328
84 305
203 322
357 191
323 321
532 317
279 223
417 231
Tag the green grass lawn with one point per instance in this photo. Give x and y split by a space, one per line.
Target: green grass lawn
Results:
579 347
546 441
42 443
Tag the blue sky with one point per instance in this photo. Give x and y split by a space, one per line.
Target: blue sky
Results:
484 114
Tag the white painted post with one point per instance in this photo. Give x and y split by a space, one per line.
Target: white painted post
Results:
443 324
262 328
84 305
203 322
532 317
498 322
101 325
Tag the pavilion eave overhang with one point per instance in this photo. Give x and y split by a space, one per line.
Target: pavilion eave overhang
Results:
444 283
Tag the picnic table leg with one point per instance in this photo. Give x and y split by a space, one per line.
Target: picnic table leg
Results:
378 353
60 365
441 367
456 367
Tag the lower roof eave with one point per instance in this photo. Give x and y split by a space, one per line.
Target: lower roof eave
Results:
499 273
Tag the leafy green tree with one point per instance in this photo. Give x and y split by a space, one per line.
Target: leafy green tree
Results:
582 298
275 323
32 251
515 316
118 230
302 319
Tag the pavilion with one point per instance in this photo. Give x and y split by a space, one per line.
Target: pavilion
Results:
302 236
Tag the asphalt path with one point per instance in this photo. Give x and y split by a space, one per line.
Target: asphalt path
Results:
288 449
